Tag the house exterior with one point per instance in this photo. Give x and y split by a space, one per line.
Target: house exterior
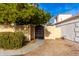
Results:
67 28
56 30
62 17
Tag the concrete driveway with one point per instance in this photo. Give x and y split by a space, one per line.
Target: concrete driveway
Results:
58 47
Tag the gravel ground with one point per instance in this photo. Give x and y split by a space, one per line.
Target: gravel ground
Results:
56 48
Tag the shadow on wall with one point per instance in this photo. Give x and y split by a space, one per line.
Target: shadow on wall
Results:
47 33
24 29
19 28
52 32
25 42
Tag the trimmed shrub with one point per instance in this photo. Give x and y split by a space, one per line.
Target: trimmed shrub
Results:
11 40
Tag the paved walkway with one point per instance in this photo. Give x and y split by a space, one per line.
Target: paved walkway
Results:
31 46
56 48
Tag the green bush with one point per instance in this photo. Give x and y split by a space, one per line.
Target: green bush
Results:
11 40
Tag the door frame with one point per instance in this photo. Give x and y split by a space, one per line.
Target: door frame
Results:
42 29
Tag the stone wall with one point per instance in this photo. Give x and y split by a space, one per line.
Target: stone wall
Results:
24 28
52 32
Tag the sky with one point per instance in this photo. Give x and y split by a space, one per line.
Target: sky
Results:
60 8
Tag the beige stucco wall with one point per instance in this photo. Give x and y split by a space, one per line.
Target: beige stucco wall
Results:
6 28
52 32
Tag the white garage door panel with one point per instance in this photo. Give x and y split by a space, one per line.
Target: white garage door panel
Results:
77 24
68 31
77 34
77 39
77 29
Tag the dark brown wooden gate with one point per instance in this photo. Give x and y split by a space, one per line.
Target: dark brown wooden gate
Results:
39 32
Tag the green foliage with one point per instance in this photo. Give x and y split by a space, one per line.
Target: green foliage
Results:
7 13
10 40
20 21
22 13
40 17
